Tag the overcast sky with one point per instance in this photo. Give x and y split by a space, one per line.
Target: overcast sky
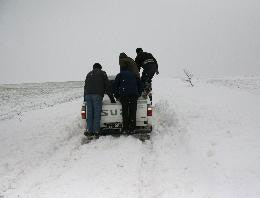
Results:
59 40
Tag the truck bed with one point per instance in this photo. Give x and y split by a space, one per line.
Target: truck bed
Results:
112 113
111 117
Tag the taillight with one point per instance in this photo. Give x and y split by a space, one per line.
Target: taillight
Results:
83 112
149 111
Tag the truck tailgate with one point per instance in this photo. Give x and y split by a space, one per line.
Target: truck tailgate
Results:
112 112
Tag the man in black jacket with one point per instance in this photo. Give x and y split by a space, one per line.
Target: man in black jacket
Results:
96 84
149 65
127 88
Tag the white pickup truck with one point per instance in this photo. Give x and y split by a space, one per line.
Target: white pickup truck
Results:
111 118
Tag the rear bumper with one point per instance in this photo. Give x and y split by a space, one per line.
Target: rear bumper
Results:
118 131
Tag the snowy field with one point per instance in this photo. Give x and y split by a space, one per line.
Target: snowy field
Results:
16 99
205 144
249 84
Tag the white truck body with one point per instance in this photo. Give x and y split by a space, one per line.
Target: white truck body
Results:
111 115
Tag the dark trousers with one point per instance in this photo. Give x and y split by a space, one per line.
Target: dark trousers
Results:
148 73
147 76
129 107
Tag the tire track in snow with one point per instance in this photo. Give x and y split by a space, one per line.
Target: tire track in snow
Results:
167 132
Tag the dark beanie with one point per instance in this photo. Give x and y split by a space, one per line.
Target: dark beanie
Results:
138 50
97 66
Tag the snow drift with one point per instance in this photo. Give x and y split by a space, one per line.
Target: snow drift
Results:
205 143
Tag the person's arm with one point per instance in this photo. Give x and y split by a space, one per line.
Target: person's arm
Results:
155 61
115 86
105 78
107 88
111 97
157 71
110 93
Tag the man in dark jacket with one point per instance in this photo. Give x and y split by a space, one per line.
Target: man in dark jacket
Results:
128 63
149 65
127 88
96 84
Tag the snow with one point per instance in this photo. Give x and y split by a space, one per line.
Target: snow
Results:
205 143
18 98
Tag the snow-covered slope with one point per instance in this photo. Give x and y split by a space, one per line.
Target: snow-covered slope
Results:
205 143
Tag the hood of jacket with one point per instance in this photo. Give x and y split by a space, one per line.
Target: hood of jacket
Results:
122 55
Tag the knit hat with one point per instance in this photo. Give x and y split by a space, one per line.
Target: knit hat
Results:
138 50
97 66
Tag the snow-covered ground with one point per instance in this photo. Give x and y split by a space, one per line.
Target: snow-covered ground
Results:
205 144
16 99
250 84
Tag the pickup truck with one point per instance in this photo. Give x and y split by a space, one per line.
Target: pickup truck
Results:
111 118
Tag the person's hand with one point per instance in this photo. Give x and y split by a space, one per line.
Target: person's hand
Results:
157 72
116 96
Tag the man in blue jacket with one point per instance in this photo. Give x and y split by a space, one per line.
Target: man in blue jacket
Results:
127 88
